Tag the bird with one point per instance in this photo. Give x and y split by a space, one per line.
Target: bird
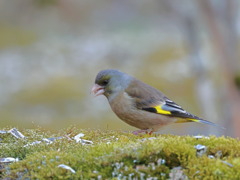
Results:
139 104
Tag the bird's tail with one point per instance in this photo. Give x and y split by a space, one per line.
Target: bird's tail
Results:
205 122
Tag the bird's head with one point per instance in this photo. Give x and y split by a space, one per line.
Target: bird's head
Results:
110 82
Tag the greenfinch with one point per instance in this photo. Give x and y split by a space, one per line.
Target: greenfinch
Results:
139 104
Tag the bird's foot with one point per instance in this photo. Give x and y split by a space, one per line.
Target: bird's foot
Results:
146 131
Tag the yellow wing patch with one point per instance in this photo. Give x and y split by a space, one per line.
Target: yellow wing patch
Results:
161 111
183 120
194 120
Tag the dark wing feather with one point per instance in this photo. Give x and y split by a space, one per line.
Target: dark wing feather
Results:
150 99
177 110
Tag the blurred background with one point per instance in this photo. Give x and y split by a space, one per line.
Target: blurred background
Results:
51 51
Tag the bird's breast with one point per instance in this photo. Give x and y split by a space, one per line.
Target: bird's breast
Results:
124 107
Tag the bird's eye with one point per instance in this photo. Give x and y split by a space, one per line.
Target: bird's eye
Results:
105 82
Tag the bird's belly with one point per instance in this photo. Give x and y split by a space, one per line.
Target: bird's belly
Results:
125 110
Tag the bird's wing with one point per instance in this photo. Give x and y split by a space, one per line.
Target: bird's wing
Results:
150 99
170 108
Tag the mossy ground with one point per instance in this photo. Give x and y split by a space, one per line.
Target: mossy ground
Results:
119 155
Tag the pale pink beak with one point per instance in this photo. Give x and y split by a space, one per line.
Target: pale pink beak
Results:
97 90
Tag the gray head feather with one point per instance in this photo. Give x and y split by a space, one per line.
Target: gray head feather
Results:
113 81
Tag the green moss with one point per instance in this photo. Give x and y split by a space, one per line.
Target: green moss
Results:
116 154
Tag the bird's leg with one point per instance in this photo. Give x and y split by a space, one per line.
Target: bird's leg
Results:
150 131
147 131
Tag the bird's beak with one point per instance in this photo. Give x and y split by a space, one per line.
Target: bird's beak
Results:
97 90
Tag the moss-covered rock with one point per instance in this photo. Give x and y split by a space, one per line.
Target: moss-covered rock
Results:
118 155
